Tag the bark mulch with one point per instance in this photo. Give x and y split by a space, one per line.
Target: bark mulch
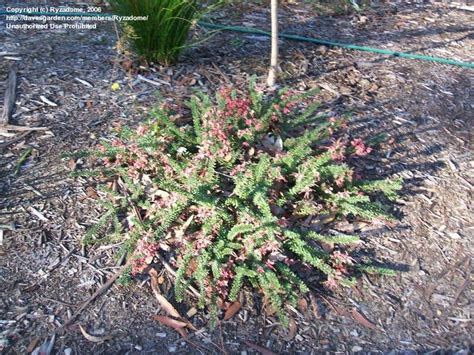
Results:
424 109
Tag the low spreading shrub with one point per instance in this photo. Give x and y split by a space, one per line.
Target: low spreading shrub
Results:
162 37
231 195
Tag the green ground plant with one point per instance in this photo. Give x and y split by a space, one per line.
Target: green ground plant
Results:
163 36
227 194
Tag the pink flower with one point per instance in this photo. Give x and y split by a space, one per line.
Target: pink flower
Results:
283 222
340 181
118 143
337 150
142 130
360 148
289 261
258 126
242 132
270 265
101 148
331 284
342 258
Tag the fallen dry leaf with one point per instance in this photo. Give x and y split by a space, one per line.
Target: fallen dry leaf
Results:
32 345
292 328
233 309
362 320
93 338
90 192
167 307
302 305
172 323
182 332
72 164
164 303
327 247
259 348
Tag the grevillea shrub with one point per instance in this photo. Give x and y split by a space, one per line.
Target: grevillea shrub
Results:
230 196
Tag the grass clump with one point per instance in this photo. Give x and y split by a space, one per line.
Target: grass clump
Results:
163 36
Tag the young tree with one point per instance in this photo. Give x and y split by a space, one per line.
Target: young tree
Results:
274 54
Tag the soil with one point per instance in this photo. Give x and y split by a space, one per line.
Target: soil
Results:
424 109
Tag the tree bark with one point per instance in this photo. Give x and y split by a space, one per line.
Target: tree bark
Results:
272 73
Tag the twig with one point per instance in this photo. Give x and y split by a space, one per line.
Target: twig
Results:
10 127
172 272
156 82
14 140
27 111
10 94
60 302
97 293
465 283
195 335
221 337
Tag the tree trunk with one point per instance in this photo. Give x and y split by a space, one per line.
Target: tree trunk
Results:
274 55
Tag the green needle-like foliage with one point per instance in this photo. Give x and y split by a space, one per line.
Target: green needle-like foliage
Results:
224 195
162 36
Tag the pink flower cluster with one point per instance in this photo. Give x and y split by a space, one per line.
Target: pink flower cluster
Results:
147 250
339 261
235 106
337 150
216 141
227 275
202 241
360 148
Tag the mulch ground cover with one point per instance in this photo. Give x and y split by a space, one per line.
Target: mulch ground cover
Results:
423 109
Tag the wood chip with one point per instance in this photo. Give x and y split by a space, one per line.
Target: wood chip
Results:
86 83
38 214
48 102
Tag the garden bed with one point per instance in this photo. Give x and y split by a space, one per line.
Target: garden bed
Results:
424 108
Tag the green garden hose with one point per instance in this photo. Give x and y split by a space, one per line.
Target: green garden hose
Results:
337 44
284 35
